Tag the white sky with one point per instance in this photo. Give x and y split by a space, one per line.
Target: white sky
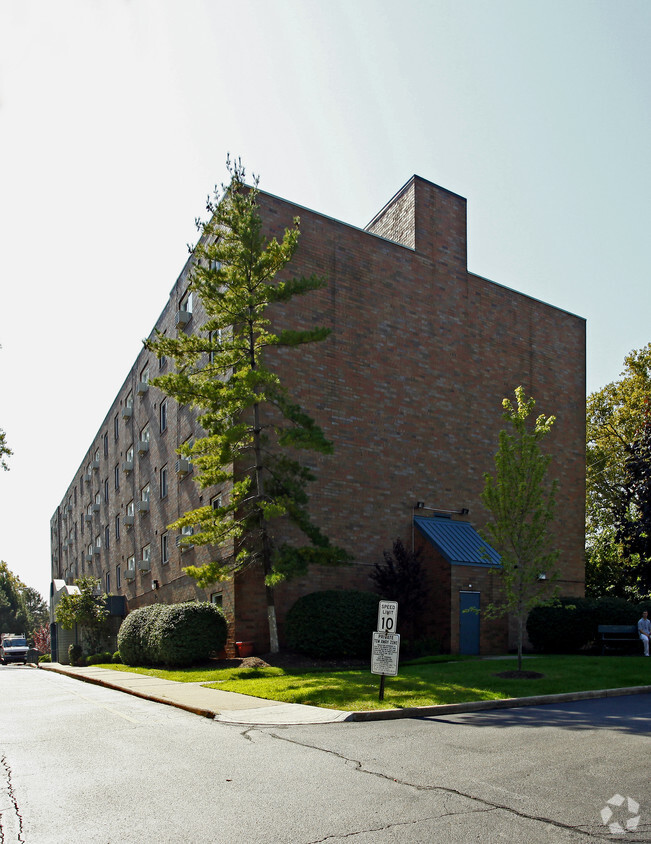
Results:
116 117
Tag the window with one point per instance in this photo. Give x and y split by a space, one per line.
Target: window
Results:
117 527
214 265
97 455
144 375
146 553
131 562
107 536
98 541
105 439
118 578
163 482
163 416
116 476
98 498
144 493
116 426
130 508
89 552
216 502
215 339
129 454
106 490
129 400
108 583
165 548
145 434
186 302
217 599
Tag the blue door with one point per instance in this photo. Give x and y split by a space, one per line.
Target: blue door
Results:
469 622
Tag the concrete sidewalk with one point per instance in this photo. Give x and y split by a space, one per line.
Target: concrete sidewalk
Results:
229 707
234 708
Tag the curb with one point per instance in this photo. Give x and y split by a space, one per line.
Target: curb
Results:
205 713
501 703
382 714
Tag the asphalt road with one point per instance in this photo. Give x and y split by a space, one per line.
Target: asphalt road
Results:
80 763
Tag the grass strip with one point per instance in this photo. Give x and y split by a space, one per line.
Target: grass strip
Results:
422 684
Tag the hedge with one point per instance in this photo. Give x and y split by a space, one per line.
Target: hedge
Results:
171 634
332 624
188 633
572 624
134 634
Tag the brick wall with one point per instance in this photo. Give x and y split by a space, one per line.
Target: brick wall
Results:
408 387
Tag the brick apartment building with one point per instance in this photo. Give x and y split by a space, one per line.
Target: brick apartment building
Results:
408 387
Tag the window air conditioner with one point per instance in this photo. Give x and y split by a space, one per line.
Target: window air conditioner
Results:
182 318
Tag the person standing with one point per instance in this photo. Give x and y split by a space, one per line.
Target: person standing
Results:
644 630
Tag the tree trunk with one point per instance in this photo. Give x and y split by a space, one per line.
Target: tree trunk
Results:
266 544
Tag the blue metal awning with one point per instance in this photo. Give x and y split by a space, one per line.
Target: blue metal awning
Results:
458 542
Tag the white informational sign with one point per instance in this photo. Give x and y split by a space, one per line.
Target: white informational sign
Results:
387 617
385 653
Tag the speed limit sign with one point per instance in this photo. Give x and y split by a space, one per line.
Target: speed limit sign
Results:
387 617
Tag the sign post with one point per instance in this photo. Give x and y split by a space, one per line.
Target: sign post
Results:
386 643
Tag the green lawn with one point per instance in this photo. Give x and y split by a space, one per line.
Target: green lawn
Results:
421 684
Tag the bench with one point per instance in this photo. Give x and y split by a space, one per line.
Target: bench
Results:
618 636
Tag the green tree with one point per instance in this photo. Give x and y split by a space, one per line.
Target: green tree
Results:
14 616
521 505
37 609
254 431
615 421
87 609
5 451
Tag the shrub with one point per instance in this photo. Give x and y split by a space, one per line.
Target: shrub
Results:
45 658
188 633
171 634
133 636
116 658
99 659
332 624
75 654
572 623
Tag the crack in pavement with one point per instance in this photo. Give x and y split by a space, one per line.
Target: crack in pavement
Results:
8 785
396 825
357 764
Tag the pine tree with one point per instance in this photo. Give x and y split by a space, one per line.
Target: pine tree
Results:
521 506
254 431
